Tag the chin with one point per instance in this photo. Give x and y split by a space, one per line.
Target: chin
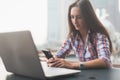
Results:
77 28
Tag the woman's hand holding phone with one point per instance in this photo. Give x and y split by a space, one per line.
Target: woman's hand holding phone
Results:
62 63
54 61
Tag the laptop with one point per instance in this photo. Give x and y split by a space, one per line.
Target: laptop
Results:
20 56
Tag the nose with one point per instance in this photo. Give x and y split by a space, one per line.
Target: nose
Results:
75 20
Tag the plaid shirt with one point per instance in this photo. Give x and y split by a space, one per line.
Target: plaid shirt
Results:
98 48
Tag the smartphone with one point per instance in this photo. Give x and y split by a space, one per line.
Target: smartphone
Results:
47 54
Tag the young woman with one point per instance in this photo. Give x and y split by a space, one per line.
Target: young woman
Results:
88 39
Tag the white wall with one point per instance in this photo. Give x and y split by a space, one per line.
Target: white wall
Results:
25 15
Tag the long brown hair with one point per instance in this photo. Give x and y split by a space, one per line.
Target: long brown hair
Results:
90 18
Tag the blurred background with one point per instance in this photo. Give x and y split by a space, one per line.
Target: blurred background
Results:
47 20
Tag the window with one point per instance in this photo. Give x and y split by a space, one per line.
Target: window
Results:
16 15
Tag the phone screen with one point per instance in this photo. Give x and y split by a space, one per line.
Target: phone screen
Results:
47 54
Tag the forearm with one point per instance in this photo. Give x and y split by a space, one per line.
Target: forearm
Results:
97 63
74 65
93 64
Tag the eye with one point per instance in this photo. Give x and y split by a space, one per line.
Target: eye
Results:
72 17
79 17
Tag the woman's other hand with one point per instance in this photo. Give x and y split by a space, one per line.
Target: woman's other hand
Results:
62 63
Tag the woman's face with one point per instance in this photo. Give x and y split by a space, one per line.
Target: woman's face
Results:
77 19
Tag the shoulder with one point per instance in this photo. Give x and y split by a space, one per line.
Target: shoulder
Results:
101 38
100 35
97 35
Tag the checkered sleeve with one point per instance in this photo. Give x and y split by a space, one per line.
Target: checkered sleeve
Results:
65 49
103 49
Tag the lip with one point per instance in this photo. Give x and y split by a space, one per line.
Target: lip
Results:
76 27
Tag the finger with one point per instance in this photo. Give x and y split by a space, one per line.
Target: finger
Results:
49 65
53 64
51 60
55 57
57 63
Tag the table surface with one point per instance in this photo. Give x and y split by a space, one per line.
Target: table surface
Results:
99 74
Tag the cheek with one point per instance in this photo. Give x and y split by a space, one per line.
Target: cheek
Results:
72 21
82 23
